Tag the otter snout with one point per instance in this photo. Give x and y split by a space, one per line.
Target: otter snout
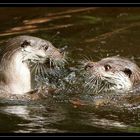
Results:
62 50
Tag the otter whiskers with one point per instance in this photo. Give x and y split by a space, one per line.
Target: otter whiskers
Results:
96 84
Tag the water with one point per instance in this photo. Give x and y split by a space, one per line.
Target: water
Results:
90 31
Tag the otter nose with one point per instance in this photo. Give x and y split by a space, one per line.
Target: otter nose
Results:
63 49
88 66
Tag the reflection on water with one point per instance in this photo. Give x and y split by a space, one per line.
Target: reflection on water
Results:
61 119
88 32
33 118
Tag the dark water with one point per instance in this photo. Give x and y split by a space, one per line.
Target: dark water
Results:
90 31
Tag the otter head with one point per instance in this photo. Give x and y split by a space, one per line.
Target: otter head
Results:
112 73
41 51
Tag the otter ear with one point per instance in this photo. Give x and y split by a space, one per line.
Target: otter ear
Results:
25 43
127 72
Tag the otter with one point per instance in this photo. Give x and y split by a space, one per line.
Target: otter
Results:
112 73
15 56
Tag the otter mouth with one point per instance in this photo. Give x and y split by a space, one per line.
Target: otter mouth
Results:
98 83
43 67
47 61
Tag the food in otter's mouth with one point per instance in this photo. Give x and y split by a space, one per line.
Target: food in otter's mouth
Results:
22 54
111 73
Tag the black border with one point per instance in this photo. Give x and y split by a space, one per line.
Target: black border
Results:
50 3
68 4
70 134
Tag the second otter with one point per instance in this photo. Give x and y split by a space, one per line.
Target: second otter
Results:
16 53
112 73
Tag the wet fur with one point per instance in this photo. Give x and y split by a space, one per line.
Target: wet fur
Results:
11 49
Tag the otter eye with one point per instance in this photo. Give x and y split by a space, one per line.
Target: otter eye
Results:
45 47
107 67
25 43
127 72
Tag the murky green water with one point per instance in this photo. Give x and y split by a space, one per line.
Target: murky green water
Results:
87 31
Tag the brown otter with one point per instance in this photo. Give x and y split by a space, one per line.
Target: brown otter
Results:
16 54
112 73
